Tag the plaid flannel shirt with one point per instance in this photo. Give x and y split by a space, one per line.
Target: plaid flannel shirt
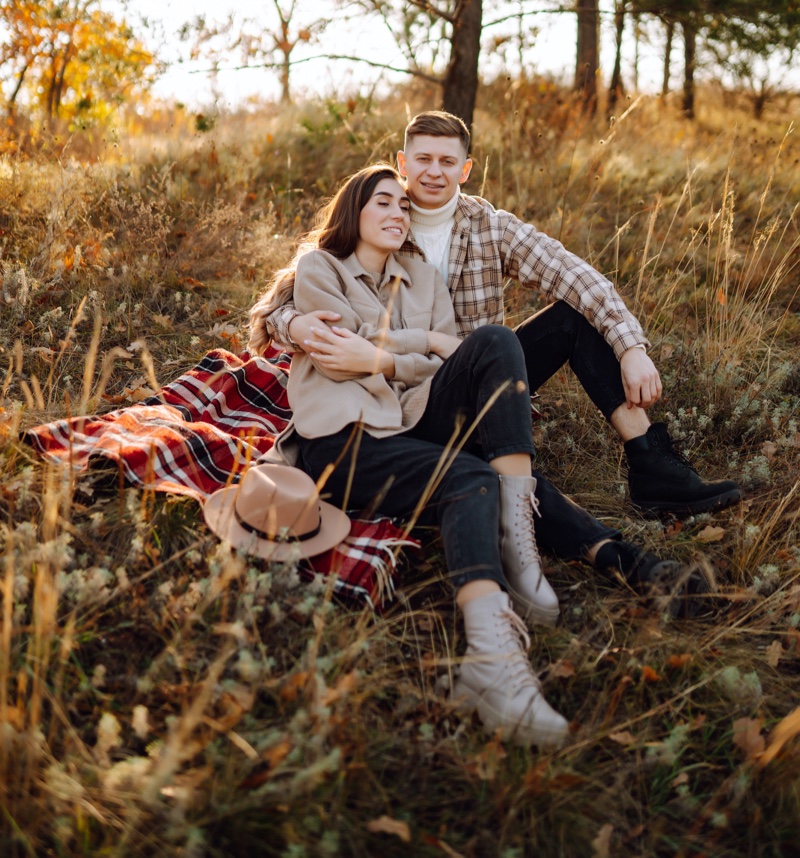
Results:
489 246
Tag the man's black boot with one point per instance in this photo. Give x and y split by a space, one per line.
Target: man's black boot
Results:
675 590
662 480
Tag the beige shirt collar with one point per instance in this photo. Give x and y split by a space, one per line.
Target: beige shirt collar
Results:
393 269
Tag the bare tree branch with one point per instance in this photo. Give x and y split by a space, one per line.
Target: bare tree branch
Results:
425 6
413 72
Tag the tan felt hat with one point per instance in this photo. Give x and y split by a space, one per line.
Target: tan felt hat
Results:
275 512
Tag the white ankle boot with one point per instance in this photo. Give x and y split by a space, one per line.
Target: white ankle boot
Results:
497 680
533 597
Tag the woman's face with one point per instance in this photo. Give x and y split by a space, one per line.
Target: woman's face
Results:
383 223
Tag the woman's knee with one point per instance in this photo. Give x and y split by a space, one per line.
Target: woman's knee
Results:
496 336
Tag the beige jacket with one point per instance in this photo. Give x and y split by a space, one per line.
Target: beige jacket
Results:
397 315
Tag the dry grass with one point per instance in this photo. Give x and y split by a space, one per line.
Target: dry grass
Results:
161 696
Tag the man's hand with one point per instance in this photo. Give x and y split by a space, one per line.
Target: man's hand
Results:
300 326
640 378
340 350
442 345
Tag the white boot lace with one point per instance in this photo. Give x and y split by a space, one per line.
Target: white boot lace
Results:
525 532
514 635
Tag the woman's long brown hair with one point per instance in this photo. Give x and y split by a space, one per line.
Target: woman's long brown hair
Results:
336 233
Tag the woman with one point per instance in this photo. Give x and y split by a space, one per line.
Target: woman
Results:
379 403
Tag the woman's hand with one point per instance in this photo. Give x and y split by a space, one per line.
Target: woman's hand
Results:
640 378
441 344
339 350
300 328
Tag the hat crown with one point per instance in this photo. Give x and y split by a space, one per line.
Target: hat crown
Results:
282 509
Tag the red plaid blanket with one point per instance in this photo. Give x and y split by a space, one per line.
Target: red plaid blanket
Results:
199 433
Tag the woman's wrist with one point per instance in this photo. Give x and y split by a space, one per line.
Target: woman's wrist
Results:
386 364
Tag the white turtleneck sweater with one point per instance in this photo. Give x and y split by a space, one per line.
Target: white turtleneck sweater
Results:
432 230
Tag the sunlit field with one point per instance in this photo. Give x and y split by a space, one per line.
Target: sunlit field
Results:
161 695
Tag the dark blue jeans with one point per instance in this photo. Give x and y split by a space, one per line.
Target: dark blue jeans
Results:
558 334
401 474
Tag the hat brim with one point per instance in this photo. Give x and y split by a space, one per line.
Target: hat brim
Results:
219 513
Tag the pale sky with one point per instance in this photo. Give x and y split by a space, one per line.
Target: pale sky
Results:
553 52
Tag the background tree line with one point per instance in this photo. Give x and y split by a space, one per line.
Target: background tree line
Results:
74 60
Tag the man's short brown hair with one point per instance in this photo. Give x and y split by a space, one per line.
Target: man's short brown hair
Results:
437 123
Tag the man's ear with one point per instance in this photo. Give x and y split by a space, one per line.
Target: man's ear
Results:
466 171
401 162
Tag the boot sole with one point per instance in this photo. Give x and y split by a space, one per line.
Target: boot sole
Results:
469 701
533 614
711 504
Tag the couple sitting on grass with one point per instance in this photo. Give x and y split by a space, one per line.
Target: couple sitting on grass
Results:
410 398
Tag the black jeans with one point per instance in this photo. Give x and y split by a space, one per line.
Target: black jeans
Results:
397 474
558 334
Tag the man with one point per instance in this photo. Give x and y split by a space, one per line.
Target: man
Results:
476 248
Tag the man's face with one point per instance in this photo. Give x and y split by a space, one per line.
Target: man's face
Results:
434 168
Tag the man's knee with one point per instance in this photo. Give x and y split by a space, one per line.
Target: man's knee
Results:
563 314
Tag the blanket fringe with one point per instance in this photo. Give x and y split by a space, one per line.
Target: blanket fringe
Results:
384 569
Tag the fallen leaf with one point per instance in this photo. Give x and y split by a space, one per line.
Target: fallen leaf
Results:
563 668
786 730
747 736
344 686
650 675
272 758
440 844
485 763
667 351
710 534
721 297
774 653
163 322
601 845
137 394
624 737
293 685
616 696
681 779
769 449
275 755
387 825
679 661
673 529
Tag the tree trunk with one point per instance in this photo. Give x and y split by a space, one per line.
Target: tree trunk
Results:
52 84
689 48
12 99
616 89
286 92
588 53
461 78
60 85
667 60
761 93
